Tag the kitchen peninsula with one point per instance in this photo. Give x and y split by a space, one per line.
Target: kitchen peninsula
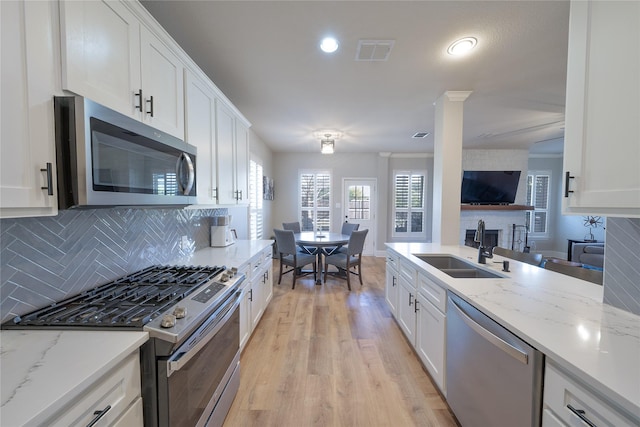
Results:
564 318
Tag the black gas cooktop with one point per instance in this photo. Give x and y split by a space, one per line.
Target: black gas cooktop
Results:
131 301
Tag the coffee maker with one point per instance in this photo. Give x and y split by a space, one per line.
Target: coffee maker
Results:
221 232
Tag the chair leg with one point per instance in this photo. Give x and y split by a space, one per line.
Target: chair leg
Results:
315 269
360 272
348 272
280 276
295 275
326 266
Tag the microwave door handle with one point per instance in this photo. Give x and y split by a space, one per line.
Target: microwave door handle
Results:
185 159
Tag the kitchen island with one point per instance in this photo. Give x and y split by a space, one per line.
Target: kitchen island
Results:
561 316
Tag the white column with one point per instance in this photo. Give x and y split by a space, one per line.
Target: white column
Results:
447 171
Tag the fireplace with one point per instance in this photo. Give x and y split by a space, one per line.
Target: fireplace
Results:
490 238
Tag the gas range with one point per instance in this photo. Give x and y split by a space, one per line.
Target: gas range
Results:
166 301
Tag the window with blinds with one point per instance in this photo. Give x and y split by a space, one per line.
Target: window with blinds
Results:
315 200
255 200
538 196
409 204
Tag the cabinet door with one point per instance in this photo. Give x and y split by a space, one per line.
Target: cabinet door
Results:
406 310
162 85
601 149
200 131
245 316
242 163
225 127
430 339
101 53
28 85
268 280
391 289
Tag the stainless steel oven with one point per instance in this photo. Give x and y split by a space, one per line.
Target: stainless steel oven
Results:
196 382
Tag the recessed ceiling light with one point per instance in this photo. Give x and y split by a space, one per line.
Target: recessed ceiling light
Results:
329 45
462 46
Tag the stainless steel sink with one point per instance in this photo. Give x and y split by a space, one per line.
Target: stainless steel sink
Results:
456 267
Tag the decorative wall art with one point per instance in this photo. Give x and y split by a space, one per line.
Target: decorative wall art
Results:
267 188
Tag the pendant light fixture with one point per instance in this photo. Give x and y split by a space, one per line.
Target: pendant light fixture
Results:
327 144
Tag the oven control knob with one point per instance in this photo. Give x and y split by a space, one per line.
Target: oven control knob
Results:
224 277
180 312
168 321
234 270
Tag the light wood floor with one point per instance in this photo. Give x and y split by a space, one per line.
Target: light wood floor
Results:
324 356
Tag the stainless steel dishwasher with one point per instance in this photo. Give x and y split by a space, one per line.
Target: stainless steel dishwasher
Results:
494 379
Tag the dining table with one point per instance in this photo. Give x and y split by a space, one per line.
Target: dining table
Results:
321 240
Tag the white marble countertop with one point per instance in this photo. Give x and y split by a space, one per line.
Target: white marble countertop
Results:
41 371
231 256
563 317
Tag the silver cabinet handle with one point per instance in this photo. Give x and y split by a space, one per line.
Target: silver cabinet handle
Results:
493 339
185 159
49 186
98 415
581 414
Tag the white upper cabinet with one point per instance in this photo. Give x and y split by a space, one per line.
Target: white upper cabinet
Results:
29 81
111 58
225 141
200 132
242 163
162 85
602 137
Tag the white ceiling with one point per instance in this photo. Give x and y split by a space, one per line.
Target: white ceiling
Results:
264 56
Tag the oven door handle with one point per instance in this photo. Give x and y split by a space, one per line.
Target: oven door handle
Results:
207 331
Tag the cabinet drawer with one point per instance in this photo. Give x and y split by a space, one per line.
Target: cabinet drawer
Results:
408 272
562 391
118 389
392 260
432 291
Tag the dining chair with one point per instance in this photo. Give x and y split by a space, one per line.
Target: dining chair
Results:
571 269
295 227
349 262
347 229
290 256
529 258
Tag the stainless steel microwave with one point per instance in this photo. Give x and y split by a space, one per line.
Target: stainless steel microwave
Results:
106 159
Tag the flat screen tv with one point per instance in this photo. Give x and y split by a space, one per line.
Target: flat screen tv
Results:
489 187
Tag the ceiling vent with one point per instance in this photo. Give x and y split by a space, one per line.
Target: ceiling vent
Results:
421 135
374 50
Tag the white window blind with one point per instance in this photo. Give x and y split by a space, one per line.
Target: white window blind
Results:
255 200
315 200
409 203
538 196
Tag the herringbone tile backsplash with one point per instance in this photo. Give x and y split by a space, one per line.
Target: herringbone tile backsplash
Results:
47 259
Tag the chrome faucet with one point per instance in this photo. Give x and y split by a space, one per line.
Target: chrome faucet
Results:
483 252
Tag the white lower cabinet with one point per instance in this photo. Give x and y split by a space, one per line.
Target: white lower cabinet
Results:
430 339
257 292
419 305
112 400
567 402
406 312
392 282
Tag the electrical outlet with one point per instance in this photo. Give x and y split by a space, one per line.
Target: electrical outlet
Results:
184 242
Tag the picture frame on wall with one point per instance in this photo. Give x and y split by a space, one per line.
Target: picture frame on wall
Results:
267 188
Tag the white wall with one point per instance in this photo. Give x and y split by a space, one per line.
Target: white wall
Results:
286 167
259 151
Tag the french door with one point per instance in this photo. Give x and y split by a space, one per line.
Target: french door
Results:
359 206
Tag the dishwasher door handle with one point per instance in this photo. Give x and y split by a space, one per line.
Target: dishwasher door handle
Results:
516 353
